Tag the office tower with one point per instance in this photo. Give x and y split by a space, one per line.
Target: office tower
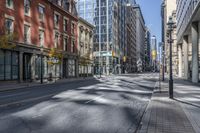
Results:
147 49
140 37
131 59
109 34
154 52
168 8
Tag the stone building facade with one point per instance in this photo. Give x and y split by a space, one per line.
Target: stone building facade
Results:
85 47
168 9
131 60
140 38
188 36
40 25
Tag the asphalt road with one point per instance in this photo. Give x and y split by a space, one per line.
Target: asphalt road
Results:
113 104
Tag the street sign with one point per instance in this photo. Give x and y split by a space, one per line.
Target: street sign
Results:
103 53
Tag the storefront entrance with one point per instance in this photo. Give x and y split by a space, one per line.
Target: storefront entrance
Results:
27 67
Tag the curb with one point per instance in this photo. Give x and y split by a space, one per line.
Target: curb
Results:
140 127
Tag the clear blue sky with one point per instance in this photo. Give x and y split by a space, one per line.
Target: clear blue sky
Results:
151 12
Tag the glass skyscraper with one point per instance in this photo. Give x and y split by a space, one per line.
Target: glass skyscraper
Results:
108 17
86 9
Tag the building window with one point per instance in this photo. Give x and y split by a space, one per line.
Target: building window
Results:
56 20
27 5
41 12
2 68
27 33
9 65
59 2
66 5
9 4
73 46
15 65
73 28
65 25
9 26
65 43
41 37
56 40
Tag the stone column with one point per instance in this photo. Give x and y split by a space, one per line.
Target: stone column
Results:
20 67
195 66
61 69
185 46
77 68
180 60
33 67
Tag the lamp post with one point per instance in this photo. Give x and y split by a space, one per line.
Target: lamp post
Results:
41 65
170 29
163 61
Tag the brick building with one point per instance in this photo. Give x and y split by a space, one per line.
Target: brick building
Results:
40 26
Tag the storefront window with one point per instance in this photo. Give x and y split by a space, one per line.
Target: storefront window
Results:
15 68
9 68
1 65
45 65
71 67
8 65
37 67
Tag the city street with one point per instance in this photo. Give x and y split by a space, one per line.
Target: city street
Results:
113 104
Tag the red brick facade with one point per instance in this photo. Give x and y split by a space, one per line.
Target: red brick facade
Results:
45 31
48 24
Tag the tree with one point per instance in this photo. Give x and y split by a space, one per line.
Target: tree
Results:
85 61
55 55
55 58
6 41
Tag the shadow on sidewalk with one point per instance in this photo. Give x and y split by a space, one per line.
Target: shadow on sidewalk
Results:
185 102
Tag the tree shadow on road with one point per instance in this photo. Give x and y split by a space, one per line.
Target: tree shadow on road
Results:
82 108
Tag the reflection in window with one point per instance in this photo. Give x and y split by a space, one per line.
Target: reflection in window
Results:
71 67
9 26
15 62
41 13
27 5
8 64
26 33
9 4
1 65
56 20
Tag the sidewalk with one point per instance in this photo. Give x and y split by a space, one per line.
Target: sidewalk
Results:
14 85
180 115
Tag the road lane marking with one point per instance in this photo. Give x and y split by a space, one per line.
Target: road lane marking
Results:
94 99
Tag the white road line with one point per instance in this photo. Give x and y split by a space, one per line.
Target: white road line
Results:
14 94
94 99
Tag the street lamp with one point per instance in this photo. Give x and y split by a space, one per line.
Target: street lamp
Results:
170 30
41 65
163 60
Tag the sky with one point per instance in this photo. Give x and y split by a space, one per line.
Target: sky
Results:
151 12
